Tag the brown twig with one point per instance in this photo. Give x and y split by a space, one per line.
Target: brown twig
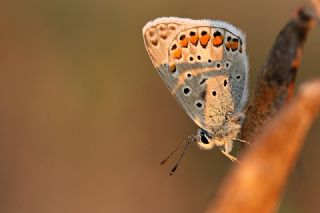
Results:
276 79
316 5
256 185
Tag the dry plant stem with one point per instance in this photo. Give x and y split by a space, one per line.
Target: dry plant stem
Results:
275 82
257 184
316 5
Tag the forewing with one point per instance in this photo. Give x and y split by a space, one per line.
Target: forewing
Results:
200 62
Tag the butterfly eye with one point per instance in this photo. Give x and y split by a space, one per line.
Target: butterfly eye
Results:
227 64
204 139
214 93
218 65
199 57
190 58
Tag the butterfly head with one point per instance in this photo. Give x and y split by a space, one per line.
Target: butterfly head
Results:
224 135
204 140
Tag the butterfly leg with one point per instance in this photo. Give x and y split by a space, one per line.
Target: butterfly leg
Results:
232 158
241 141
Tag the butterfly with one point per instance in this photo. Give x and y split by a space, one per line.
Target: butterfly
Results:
204 65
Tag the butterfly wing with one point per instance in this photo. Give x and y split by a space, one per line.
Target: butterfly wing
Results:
204 65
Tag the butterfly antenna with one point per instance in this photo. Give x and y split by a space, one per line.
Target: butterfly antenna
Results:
181 156
176 149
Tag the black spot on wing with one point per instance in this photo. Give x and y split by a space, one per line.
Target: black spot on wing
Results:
203 81
203 95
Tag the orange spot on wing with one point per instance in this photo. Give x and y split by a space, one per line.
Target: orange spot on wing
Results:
234 45
184 42
217 41
194 39
204 40
177 54
228 45
172 68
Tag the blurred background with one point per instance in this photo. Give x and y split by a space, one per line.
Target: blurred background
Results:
85 119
